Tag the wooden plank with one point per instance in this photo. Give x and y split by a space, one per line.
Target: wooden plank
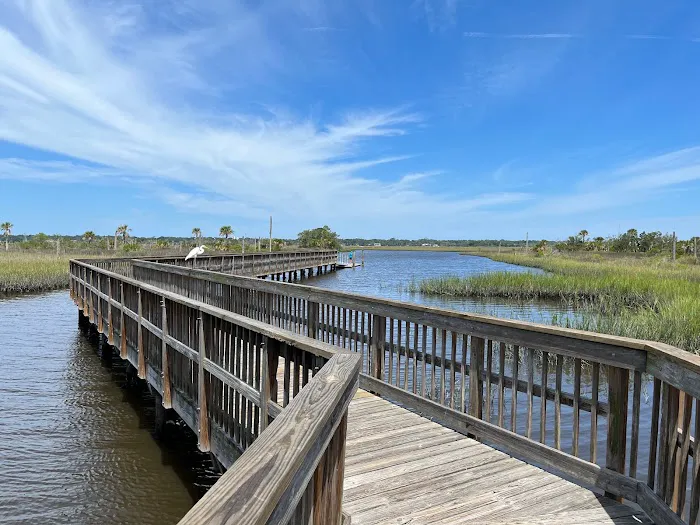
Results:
577 408
514 393
203 390
694 502
543 399
636 402
501 384
530 394
557 402
595 385
165 358
618 394
271 478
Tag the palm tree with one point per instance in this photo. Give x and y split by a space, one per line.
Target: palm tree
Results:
583 234
6 228
225 231
89 236
122 230
197 233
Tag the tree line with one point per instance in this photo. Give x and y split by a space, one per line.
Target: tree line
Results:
631 241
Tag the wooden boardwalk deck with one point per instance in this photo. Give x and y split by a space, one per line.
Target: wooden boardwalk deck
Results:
401 468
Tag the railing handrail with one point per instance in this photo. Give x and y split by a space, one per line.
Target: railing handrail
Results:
277 467
563 339
266 484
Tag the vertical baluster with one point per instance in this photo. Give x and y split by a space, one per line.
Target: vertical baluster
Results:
694 502
489 371
577 406
501 384
398 352
595 381
453 364
463 372
618 395
443 372
165 358
684 417
514 394
530 390
636 402
557 402
543 398
654 434
476 367
287 375
415 357
433 351
391 350
424 364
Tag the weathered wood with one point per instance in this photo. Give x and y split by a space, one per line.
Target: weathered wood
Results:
530 393
165 358
618 388
514 392
377 345
476 365
270 479
141 350
543 399
595 385
654 433
636 402
203 390
577 408
501 384
557 402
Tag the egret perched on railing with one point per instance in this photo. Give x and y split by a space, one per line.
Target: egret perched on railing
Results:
194 252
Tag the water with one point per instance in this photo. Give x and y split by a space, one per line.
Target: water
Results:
387 274
76 444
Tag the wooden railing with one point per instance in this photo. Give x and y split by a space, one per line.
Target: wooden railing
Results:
256 263
219 372
619 414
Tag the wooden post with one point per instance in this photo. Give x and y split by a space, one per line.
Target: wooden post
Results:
674 246
312 318
100 326
203 442
165 359
618 393
377 344
140 349
122 327
110 323
476 387
328 479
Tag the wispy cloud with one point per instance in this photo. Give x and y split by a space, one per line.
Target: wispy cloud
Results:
108 91
522 36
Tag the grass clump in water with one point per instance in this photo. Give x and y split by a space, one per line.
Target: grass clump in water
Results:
643 298
32 272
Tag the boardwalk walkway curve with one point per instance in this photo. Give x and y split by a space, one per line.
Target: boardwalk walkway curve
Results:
255 351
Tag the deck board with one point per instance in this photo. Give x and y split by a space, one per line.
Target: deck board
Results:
404 469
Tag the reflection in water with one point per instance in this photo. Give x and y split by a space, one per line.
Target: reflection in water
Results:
76 443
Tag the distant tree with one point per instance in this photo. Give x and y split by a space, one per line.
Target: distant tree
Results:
6 228
599 243
583 234
323 238
89 236
161 244
225 232
197 233
124 231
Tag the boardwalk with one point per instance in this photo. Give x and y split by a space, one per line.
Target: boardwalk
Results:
401 468
266 374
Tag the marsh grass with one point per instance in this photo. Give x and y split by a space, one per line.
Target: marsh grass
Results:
644 298
32 272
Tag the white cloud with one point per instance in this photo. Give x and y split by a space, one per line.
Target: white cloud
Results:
106 87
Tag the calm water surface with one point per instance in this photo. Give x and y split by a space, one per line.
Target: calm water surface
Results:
388 273
76 442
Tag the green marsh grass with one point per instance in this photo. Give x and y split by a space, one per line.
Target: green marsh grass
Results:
32 272
644 298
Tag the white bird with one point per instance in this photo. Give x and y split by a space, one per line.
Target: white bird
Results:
194 252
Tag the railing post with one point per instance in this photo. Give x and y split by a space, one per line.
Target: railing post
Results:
268 388
139 343
328 479
377 344
100 325
110 323
203 442
312 318
618 393
476 383
122 326
165 358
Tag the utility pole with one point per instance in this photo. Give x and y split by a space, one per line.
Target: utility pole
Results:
527 241
695 249
674 246
270 247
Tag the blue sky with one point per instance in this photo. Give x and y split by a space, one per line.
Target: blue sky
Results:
405 118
